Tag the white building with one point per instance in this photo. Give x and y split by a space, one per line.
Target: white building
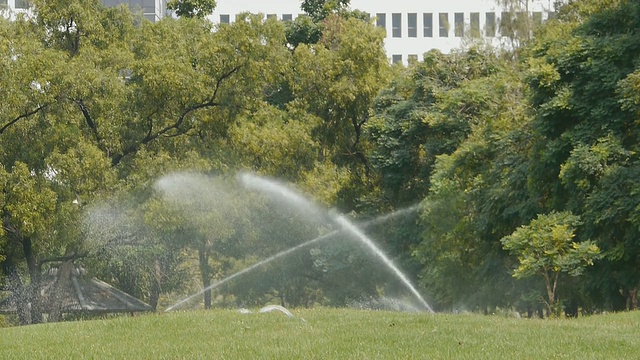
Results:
152 10
412 26
11 7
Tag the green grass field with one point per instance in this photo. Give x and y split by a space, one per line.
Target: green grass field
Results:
327 334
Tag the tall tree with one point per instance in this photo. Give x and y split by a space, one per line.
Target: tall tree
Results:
336 80
587 132
103 96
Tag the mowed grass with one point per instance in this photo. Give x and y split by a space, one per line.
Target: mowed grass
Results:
327 334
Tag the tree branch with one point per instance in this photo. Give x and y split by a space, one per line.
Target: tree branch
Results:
87 117
70 256
25 115
222 78
179 121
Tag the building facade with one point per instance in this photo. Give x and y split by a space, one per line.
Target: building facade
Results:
152 10
412 27
12 7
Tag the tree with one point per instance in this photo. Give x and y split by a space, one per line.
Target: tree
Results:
192 8
108 100
518 24
303 30
439 133
546 248
426 111
336 81
309 27
585 159
319 9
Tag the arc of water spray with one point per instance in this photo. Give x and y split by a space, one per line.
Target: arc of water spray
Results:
347 225
252 267
278 189
277 256
281 190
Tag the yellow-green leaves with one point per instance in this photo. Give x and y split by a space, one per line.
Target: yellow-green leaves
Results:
192 8
84 170
546 247
276 142
29 202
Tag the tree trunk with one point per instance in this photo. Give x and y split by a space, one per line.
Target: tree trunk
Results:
633 299
203 255
56 296
551 291
34 275
156 286
17 288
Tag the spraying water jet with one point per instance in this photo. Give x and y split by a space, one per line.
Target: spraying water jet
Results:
300 203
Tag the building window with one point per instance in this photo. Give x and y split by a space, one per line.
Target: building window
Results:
443 23
20 4
522 18
412 22
475 24
427 24
224 19
287 17
537 18
396 25
490 25
412 58
272 16
396 59
506 24
381 21
148 6
458 21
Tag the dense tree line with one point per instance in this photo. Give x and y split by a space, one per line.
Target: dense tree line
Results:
522 165
553 132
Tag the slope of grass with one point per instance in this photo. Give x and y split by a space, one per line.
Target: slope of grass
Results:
327 334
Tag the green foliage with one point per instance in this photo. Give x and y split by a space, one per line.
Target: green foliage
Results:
318 10
277 141
582 79
546 247
303 30
335 81
309 27
447 132
29 200
192 8
113 107
555 132
427 111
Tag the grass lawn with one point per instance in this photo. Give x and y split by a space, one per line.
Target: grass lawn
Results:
327 334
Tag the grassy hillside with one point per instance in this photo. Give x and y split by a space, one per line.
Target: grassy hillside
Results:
327 334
